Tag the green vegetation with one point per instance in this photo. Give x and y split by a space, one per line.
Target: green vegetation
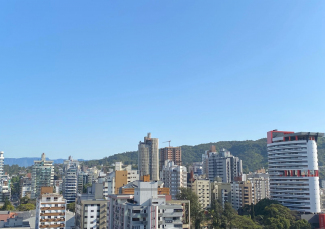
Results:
7 206
71 206
195 208
265 214
26 207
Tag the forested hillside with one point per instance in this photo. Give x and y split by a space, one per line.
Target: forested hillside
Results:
253 154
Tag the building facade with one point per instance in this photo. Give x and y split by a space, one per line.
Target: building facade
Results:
42 176
293 169
242 193
148 157
146 209
171 154
223 164
50 210
70 180
174 177
261 184
91 209
201 187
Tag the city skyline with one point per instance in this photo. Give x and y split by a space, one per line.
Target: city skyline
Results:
90 79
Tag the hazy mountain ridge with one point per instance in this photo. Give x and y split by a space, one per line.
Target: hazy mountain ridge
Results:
29 161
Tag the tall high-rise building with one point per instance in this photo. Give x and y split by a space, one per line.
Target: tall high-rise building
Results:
222 164
174 177
148 157
42 176
293 169
70 180
170 153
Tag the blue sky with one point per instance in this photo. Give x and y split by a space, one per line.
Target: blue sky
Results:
91 78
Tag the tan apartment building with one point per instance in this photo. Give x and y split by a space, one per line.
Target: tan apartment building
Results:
242 193
221 192
201 187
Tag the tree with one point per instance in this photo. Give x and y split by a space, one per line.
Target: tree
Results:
195 208
244 222
85 187
276 210
278 223
7 206
71 206
215 213
300 224
229 214
26 207
259 208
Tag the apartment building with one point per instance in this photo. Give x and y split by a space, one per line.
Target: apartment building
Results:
148 157
5 189
146 209
50 209
261 182
171 154
242 193
42 175
293 169
174 177
70 179
91 209
201 187
223 164
221 192
26 186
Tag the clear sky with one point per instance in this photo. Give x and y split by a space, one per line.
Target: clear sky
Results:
91 78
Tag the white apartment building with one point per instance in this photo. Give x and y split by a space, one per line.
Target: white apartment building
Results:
293 169
174 177
42 175
146 209
50 211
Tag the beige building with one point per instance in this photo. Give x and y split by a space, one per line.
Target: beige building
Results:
221 192
261 182
242 193
50 210
201 187
91 209
148 157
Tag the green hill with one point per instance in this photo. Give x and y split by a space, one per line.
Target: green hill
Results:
253 154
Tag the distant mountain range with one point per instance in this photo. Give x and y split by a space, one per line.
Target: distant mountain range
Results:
29 161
